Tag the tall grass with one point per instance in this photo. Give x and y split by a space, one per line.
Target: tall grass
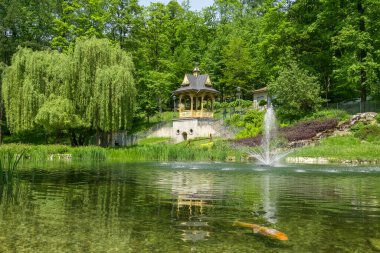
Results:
56 152
196 150
178 152
9 162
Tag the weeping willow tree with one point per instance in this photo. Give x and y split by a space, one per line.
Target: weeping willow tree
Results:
57 115
112 105
26 85
93 83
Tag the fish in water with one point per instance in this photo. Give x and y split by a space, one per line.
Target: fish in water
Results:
268 232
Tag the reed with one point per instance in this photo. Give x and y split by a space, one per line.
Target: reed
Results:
176 152
152 150
9 161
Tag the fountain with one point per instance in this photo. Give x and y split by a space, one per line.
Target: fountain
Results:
269 153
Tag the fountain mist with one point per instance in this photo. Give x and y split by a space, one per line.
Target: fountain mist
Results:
269 152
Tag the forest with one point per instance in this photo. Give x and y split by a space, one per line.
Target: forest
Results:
65 60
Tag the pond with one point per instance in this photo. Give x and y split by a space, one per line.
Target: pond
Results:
189 207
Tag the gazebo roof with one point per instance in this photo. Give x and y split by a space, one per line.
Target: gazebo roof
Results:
261 90
196 83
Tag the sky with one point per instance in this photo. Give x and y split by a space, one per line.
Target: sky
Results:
196 5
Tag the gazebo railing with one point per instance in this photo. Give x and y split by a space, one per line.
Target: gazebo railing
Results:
196 114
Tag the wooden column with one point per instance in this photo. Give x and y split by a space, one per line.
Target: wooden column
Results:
196 105
202 98
191 105
179 104
212 103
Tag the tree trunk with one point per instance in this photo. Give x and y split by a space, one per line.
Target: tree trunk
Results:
73 139
1 121
362 56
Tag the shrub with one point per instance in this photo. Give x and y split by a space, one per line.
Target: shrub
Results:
296 92
377 118
357 127
262 103
235 120
369 133
329 114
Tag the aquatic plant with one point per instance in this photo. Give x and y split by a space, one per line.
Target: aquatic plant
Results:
9 162
186 151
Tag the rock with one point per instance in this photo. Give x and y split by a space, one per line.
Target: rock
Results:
308 160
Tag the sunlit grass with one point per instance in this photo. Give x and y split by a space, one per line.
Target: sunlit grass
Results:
198 150
154 140
341 147
151 149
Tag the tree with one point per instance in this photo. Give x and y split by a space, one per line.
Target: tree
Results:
90 88
57 114
295 92
355 49
124 23
24 23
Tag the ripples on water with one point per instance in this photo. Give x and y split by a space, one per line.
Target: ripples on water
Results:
189 207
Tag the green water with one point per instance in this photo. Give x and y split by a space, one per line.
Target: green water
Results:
189 207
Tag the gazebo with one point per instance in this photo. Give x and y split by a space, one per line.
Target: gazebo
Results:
196 96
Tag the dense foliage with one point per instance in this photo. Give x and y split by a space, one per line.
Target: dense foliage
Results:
250 123
330 49
366 132
296 93
90 88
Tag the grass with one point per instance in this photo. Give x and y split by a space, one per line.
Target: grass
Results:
150 149
195 150
153 141
339 148
9 161
45 152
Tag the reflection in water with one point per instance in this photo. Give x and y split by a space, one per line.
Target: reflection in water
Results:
192 192
146 208
269 202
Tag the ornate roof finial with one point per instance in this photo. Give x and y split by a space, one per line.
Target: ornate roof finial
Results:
196 71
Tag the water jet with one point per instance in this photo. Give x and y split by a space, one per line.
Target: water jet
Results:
269 153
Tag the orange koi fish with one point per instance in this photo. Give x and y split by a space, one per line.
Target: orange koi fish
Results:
268 232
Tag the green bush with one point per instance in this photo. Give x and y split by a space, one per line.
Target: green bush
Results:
329 114
377 118
262 103
235 120
369 133
252 121
357 127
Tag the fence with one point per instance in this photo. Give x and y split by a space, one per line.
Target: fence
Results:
356 107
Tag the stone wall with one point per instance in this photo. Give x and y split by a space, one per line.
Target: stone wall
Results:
186 129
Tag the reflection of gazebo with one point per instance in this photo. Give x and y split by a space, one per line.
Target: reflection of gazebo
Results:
196 96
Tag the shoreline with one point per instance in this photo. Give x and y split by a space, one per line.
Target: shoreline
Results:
330 160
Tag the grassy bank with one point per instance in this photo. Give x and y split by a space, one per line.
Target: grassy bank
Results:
340 148
149 150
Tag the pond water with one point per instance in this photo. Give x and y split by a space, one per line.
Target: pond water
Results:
189 207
